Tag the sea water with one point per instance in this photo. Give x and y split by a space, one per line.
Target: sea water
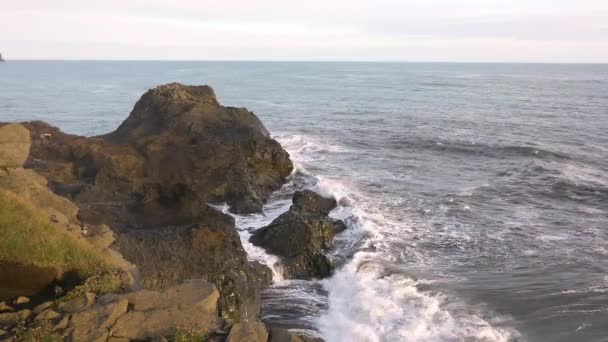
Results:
476 195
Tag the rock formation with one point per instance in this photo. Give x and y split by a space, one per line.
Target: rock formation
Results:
134 316
178 150
151 179
301 235
168 256
139 195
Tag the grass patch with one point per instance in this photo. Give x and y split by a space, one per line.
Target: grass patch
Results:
100 284
189 335
27 237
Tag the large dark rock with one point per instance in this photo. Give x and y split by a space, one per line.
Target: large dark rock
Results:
150 181
177 150
301 235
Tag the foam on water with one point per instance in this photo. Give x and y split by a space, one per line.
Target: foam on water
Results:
246 223
366 300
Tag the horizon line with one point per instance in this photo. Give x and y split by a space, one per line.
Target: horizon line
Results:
290 61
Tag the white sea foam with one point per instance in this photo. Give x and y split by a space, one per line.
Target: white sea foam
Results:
244 223
367 302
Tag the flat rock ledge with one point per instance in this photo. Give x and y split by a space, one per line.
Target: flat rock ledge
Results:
134 316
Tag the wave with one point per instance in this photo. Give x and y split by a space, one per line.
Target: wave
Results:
365 301
479 149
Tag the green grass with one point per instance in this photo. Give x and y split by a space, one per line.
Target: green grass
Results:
189 335
27 237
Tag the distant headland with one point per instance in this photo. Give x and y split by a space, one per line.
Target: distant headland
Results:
1 59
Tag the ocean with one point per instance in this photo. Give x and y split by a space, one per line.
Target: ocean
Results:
476 195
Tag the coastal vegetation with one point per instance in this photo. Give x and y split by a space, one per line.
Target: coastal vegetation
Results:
28 238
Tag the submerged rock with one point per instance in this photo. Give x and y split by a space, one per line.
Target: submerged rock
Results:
300 236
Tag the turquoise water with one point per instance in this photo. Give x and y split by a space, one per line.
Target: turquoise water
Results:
476 194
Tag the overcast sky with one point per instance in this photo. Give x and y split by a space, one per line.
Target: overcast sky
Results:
403 30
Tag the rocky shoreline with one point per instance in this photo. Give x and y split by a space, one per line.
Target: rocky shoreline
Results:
137 198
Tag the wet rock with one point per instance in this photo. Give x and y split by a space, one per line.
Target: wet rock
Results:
12 318
77 304
301 235
248 332
14 145
21 300
310 201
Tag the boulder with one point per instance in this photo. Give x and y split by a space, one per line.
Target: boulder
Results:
94 323
21 300
5 307
41 307
63 323
77 304
47 315
12 318
14 145
168 256
248 332
310 201
301 235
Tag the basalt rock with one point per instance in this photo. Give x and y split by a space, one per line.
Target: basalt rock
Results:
301 235
146 314
150 182
177 150
210 250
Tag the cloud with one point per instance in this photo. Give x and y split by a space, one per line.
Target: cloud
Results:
473 30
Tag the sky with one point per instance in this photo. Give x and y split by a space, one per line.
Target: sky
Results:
342 30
